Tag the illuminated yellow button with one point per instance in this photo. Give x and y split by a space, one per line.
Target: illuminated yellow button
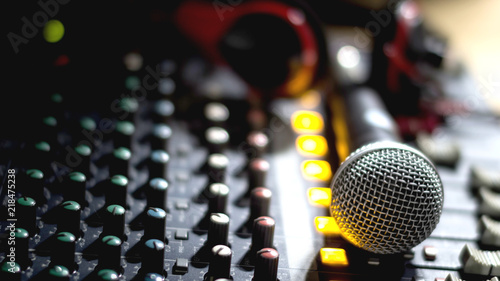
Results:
326 225
312 145
307 122
316 170
319 196
334 257
53 31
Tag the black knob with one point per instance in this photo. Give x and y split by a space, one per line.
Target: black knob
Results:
114 221
39 155
220 264
10 271
107 275
257 173
69 220
58 272
75 187
156 219
217 198
262 233
128 105
216 114
63 252
49 129
151 276
119 162
84 152
158 161
153 256
218 230
110 256
117 188
160 136
21 236
26 208
87 124
157 193
266 265
34 186
258 143
217 164
164 110
217 139
124 131
260 201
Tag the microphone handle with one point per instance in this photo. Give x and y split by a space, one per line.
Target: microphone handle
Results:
367 118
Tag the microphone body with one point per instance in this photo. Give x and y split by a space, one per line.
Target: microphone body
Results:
367 118
387 197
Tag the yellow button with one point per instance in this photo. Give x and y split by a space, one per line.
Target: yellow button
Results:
319 196
326 225
335 257
53 31
307 122
312 145
316 170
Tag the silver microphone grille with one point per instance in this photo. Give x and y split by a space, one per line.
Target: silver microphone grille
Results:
386 197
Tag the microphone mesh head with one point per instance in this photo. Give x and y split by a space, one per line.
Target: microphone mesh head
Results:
386 198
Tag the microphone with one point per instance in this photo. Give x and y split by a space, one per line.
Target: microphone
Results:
387 197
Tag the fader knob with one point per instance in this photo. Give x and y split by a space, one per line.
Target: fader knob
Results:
218 230
21 247
257 169
26 207
217 139
158 164
123 133
153 256
75 188
216 113
266 265
107 275
117 189
260 202
160 136
63 252
110 256
34 185
164 110
157 193
120 159
262 233
114 221
217 198
155 224
220 264
217 164
59 272
258 142
153 277
10 271
69 220
84 152
39 155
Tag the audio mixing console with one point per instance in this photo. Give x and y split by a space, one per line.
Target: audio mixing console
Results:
159 166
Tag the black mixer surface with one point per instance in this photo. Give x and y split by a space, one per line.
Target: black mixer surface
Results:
167 170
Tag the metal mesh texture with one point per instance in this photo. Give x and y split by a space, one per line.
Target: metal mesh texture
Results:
387 200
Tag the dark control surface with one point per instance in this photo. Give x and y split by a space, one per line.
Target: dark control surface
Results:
166 172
